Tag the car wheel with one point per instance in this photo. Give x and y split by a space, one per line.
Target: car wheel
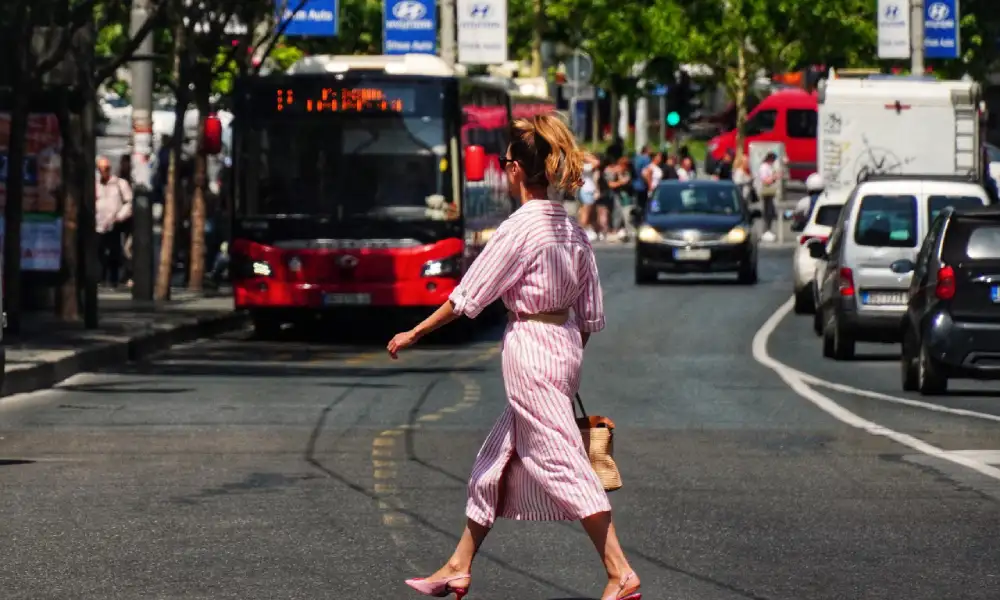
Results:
817 320
644 276
804 303
908 363
828 340
837 343
930 380
748 275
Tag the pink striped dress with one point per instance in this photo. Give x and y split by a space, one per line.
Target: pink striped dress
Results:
533 465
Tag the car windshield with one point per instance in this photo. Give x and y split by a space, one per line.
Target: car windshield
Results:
828 215
936 204
887 221
692 198
993 152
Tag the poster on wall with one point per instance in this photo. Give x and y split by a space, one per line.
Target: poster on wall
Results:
41 227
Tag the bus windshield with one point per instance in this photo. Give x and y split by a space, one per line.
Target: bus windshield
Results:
347 163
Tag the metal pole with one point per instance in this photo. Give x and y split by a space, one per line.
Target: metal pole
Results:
917 37
87 228
448 42
142 151
663 119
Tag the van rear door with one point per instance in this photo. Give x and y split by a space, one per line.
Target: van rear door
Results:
885 229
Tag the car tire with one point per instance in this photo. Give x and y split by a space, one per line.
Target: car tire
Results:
804 303
931 381
909 363
748 275
645 276
837 343
817 321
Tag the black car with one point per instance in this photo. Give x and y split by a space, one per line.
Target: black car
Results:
696 227
952 323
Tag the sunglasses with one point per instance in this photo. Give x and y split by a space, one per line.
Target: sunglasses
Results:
504 161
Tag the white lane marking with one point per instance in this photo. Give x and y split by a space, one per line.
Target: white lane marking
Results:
990 457
793 378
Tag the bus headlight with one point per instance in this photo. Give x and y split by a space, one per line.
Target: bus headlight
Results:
261 268
445 267
736 235
649 235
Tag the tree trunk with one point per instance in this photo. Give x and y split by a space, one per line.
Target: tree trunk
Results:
196 260
68 297
537 32
164 272
740 88
14 208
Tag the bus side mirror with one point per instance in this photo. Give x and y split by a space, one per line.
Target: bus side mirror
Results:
475 163
212 135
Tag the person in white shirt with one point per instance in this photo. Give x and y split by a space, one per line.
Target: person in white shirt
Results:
804 207
653 173
768 177
588 194
113 207
686 171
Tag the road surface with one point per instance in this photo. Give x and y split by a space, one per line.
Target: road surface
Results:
244 469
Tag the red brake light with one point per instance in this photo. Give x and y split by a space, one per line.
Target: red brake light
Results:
945 289
805 239
846 281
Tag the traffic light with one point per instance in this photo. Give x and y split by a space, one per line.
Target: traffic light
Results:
688 103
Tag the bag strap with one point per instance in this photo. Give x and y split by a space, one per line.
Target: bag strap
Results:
579 402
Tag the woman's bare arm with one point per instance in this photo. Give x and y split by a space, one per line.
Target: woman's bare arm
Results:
439 318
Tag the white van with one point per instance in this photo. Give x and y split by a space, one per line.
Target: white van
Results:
885 219
897 125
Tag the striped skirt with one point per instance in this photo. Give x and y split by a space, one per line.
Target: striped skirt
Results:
533 465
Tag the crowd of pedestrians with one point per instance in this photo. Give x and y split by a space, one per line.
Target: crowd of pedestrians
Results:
614 184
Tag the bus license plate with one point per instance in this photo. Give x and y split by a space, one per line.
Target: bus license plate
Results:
692 254
347 299
883 298
995 293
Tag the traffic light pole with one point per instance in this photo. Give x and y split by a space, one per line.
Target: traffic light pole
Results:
142 149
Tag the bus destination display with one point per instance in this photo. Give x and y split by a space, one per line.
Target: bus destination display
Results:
344 100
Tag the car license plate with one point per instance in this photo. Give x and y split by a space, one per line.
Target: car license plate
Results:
347 299
995 293
883 298
692 254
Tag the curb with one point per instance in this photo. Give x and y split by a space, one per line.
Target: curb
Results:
47 375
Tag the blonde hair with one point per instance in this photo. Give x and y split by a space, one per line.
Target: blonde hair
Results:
546 149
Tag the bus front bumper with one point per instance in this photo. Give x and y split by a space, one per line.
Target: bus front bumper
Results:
264 293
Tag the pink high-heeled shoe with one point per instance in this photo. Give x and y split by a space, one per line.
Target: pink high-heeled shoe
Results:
439 587
635 595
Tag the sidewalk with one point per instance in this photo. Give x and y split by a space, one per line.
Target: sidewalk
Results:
48 351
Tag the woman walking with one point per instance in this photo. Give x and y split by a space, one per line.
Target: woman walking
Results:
533 465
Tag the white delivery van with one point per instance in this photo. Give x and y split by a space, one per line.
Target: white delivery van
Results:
896 126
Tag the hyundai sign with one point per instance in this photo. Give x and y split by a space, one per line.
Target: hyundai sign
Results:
410 27
942 38
482 32
314 18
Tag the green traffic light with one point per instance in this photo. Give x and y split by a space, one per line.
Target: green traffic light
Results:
673 119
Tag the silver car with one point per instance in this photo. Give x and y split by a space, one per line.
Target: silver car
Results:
885 219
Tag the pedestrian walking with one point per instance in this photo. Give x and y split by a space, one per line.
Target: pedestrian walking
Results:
533 465
113 207
588 193
687 170
766 183
743 179
126 227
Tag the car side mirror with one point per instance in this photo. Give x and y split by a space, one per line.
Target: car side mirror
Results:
903 266
817 249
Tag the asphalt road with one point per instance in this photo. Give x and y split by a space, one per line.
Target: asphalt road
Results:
235 468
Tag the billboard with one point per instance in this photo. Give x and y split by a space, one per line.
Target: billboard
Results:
409 27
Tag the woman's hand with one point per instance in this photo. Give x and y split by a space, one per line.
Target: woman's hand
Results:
401 341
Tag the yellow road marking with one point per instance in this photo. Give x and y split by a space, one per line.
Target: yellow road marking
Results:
384 447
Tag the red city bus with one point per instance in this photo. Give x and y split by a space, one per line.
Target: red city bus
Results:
362 183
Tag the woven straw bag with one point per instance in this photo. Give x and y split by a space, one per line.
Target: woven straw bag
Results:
599 440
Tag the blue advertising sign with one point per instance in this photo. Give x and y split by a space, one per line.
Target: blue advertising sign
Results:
314 18
942 38
410 27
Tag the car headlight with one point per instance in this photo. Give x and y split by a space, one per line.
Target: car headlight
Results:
445 267
736 235
649 235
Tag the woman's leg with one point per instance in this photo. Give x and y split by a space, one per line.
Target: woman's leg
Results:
460 562
601 531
